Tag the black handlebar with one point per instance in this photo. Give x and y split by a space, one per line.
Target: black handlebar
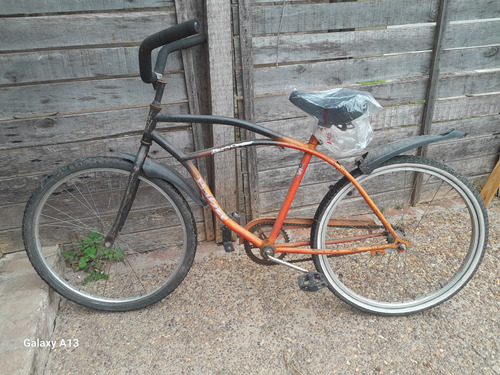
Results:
175 36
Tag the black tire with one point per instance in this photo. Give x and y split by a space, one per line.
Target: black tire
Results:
447 231
71 211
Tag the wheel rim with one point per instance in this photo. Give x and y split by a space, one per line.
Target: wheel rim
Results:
148 264
415 296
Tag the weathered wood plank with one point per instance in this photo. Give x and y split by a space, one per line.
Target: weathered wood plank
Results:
221 93
316 17
42 159
272 157
11 240
63 65
17 190
400 39
341 72
279 178
194 61
25 7
311 195
250 179
85 96
78 127
431 90
392 92
27 33
14 214
271 108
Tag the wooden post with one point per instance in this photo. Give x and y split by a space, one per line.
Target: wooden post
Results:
222 101
245 39
492 186
195 69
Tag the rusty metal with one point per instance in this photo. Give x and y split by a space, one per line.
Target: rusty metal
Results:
337 241
293 223
355 250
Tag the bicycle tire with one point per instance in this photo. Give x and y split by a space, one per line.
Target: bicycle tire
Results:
447 231
71 211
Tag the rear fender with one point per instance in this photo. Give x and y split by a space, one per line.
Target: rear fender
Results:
156 170
376 157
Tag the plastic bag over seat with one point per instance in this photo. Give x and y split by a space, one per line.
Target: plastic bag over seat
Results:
333 107
347 109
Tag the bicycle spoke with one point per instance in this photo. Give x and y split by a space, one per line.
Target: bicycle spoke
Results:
85 226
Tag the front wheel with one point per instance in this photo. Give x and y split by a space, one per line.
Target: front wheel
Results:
438 211
71 212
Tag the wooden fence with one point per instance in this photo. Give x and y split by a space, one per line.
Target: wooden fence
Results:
381 46
69 86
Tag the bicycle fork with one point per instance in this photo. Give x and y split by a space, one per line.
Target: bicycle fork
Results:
133 181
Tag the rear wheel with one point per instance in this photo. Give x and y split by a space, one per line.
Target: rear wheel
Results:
72 210
444 220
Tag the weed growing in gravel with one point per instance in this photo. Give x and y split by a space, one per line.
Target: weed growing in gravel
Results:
91 257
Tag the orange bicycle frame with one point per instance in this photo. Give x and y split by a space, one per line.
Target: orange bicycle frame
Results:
309 150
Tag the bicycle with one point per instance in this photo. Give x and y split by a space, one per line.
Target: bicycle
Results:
117 234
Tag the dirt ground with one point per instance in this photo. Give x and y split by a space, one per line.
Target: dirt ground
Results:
232 316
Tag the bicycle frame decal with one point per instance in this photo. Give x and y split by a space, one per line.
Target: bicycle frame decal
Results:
230 147
210 198
300 171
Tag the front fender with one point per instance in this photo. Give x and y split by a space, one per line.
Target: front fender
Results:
156 170
376 157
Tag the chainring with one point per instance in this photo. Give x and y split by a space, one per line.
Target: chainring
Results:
262 230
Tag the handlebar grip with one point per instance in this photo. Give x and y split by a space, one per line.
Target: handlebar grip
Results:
160 38
185 43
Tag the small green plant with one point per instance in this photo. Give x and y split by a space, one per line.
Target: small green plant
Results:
91 257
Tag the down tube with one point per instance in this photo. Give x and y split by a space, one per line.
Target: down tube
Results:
216 208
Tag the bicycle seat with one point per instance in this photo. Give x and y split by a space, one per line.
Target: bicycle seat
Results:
332 107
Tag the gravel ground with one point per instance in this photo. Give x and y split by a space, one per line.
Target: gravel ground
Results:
232 316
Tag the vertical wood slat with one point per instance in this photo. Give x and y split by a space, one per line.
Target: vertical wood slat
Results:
245 39
193 68
431 90
430 96
222 102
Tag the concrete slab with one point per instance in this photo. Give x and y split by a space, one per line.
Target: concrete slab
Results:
28 312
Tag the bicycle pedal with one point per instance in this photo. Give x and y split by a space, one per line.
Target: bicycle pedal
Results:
312 281
227 239
227 234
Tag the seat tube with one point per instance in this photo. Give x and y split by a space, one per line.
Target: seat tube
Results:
299 174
